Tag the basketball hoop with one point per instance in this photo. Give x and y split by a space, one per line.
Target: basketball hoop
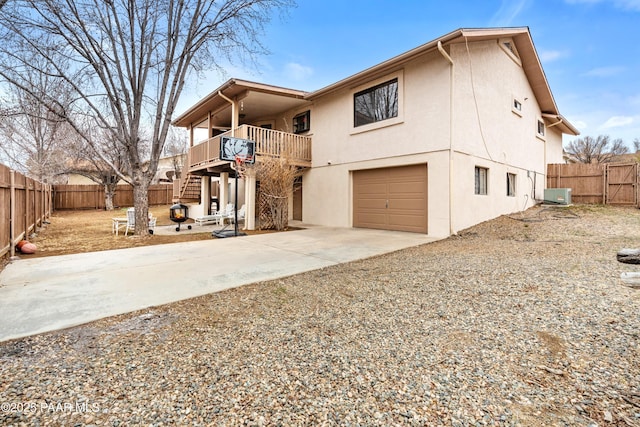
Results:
241 164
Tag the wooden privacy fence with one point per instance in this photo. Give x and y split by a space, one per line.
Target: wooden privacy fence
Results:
603 183
25 205
71 197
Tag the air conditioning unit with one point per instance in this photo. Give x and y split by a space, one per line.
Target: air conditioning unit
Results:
557 196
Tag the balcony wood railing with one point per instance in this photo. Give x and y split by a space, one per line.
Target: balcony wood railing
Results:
269 142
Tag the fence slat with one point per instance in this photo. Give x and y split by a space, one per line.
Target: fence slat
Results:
77 197
607 183
26 204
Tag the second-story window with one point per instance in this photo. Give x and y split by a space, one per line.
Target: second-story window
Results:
376 103
302 122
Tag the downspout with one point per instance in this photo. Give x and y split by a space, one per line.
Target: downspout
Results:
451 175
234 116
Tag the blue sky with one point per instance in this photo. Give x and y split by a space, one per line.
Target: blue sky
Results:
590 49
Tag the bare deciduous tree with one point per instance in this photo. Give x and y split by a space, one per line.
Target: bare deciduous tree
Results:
127 62
85 161
595 150
34 135
176 149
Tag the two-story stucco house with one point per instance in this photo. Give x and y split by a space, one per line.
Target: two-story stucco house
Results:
445 136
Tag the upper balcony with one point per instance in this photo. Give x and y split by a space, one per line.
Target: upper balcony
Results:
204 158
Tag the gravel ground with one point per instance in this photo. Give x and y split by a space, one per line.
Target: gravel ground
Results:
522 320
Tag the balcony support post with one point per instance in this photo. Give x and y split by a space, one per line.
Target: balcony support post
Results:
250 199
205 191
224 190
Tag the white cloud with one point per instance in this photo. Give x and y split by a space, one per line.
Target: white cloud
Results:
605 71
551 55
579 124
508 12
297 71
617 121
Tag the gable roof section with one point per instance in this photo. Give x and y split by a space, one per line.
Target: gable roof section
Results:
523 44
268 96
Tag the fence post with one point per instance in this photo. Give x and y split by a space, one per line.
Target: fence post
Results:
12 213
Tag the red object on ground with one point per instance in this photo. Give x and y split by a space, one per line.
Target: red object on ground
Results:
26 247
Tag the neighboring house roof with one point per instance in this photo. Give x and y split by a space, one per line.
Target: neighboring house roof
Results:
526 52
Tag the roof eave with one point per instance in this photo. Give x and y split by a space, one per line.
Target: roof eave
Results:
191 116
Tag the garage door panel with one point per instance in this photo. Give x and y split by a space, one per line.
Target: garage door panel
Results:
372 188
372 220
411 187
372 204
391 198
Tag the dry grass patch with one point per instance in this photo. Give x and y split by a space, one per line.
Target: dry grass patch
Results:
73 232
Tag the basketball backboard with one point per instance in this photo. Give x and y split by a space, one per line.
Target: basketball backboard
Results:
231 148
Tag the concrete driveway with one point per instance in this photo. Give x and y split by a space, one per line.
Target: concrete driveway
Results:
45 294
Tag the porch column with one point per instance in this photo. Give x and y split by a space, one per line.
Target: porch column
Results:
250 200
205 191
224 190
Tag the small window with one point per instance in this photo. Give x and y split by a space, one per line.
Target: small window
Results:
516 106
481 180
302 122
540 128
511 184
376 104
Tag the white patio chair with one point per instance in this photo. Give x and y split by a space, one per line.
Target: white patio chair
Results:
241 214
131 222
223 214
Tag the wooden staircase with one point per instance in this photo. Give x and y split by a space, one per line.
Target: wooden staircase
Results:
189 189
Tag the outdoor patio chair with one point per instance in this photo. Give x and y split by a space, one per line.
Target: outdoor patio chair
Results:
241 214
131 222
223 214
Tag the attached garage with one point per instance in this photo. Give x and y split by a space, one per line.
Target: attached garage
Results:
391 198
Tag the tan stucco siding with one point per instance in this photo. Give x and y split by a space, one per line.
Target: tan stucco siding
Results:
421 125
487 81
486 132
490 134
332 190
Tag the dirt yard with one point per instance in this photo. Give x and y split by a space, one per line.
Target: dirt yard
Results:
518 321
87 231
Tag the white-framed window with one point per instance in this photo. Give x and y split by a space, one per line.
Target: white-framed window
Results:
481 180
540 128
511 184
516 106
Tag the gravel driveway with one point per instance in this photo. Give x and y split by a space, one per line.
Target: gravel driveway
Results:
522 320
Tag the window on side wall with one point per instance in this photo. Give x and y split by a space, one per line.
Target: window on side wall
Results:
540 128
481 180
302 122
376 103
511 184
